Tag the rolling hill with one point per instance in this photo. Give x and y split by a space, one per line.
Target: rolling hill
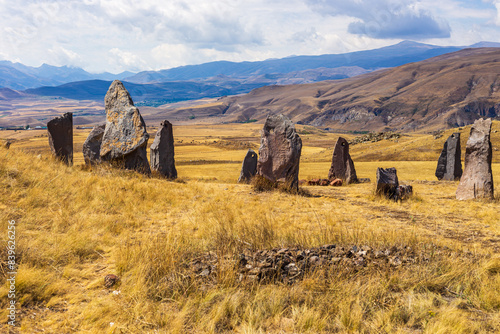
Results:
445 91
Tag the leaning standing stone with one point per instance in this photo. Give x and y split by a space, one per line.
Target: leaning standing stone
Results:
162 151
279 152
60 131
249 166
387 183
342 165
449 165
125 137
92 145
477 179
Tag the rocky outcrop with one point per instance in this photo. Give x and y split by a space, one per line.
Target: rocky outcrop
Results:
92 145
249 167
162 151
342 165
60 130
449 165
477 179
279 152
125 137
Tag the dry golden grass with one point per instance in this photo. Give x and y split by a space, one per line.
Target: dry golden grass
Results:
75 225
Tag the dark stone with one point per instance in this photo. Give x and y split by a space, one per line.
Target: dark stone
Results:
162 151
449 165
405 191
110 280
279 152
7 144
249 166
387 183
125 137
60 131
342 165
477 179
92 145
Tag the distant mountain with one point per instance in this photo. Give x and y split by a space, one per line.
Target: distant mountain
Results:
389 56
18 76
445 91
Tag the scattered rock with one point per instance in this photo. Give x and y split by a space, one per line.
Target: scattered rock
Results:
110 280
375 137
279 152
249 167
342 165
324 182
477 179
125 137
60 130
92 145
364 180
449 165
162 151
336 183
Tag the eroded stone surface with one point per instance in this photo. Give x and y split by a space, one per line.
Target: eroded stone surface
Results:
162 151
449 165
60 130
279 152
125 137
249 166
342 165
92 145
477 178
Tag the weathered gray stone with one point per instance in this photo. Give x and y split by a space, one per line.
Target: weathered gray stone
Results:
60 130
342 165
125 137
162 151
249 166
387 183
92 145
477 179
279 152
449 165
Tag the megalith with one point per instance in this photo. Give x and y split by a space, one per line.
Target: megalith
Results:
162 151
92 145
449 165
387 183
279 152
125 137
249 166
477 178
342 165
60 130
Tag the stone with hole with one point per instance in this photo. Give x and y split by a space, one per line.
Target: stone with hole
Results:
249 167
342 166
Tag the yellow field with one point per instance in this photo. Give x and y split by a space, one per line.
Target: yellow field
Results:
75 225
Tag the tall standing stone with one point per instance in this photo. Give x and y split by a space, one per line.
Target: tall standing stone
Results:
387 183
477 179
279 152
249 166
60 131
92 145
162 151
449 165
342 165
125 137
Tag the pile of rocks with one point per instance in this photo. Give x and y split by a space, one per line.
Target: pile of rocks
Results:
289 265
375 137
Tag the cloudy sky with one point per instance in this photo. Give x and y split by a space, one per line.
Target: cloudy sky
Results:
118 35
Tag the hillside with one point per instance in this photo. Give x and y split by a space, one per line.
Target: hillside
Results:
445 91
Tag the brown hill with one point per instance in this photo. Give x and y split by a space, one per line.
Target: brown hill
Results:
446 91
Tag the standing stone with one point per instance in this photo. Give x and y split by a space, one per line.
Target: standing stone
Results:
7 144
449 165
342 165
92 145
162 151
477 179
125 137
60 131
279 152
249 166
387 183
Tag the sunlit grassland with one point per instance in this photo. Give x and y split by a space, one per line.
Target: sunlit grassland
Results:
75 225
